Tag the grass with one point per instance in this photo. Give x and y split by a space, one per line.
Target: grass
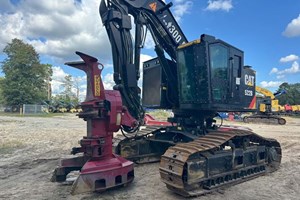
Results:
8 114
160 114
8 147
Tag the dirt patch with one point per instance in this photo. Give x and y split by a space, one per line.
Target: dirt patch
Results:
35 145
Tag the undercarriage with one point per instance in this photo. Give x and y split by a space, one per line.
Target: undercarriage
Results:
195 165
265 118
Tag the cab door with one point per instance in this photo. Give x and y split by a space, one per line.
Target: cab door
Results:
219 70
236 63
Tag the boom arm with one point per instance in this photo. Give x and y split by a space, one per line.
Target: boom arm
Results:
268 93
166 33
265 92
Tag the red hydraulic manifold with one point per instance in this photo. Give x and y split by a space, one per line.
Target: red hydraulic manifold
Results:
100 169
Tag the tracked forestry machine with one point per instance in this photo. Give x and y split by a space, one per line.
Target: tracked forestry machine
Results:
195 79
267 108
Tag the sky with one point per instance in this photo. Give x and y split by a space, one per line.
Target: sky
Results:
267 31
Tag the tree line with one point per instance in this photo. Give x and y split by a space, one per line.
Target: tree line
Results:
28 81
292 94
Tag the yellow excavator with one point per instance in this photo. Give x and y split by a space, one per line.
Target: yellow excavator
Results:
268 108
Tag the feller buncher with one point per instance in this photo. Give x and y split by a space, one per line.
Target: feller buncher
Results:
195 79
268 108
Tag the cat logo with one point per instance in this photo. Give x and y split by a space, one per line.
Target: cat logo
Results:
249 80
153 6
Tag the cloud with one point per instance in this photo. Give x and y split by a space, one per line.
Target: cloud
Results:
149 42
181 8
82 94
79 82
274 70
56 28
214 5
280 76
281 73
108 81
289 58
144 58
58 74
292 70
269 84
58 78
56 87
79 86
293 28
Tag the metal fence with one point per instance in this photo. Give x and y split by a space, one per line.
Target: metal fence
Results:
29 109
25 109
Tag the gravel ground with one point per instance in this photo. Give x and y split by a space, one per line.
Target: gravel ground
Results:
30 148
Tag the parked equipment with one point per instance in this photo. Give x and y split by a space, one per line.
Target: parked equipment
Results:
291 110
201 78
268 108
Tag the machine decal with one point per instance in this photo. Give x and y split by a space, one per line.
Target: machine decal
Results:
97 85
172 30
153 6
249 80
253 103
249 93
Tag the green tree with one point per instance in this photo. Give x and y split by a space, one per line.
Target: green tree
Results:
292 95
25 77
68 84
67 96
1 95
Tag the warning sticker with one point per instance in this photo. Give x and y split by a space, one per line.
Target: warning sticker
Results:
97 85
153 6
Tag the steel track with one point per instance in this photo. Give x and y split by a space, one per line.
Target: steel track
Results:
173 166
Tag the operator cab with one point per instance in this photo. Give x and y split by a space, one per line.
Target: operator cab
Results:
211 77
